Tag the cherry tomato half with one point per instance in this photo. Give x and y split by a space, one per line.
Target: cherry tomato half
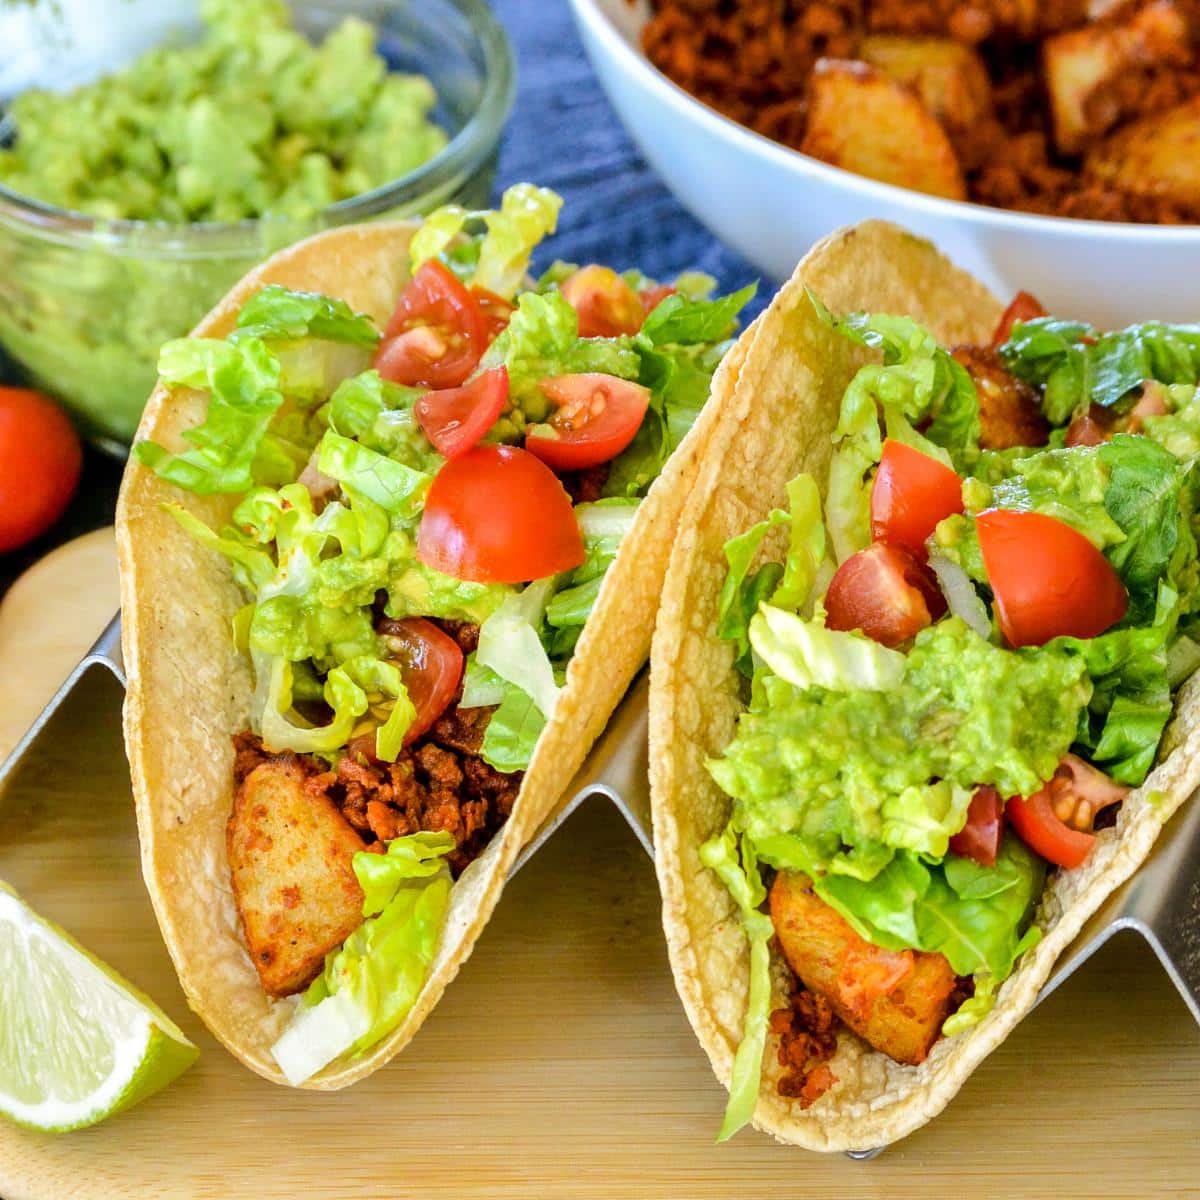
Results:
911 494
1023 307
497 514
455 419
1048 580
40 460
606 304
436 336
886 593
495 311
595 418
652 297
979 838
431 665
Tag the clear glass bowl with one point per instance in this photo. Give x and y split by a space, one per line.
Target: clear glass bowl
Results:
85 304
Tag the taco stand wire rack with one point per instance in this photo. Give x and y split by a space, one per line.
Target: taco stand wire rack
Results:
1161 902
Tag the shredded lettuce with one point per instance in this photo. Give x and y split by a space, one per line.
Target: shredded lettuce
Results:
277 312
603 524
398 489
526 215
1078 365
806 654
683 320
917 382
371 983
739 873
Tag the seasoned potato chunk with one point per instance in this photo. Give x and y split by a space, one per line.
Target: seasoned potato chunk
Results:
1080 63
864 121
1009 414
290 854
950 78
830 958
1156 156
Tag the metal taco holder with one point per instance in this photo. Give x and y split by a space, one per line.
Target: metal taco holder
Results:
1161 902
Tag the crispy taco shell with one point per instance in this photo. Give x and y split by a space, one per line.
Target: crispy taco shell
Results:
776 419
189 690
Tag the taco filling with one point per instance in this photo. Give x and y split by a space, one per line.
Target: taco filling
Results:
963 665
426 515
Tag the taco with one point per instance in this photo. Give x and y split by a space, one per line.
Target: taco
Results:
920 693
391 543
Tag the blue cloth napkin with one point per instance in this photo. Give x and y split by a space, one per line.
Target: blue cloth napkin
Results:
564 134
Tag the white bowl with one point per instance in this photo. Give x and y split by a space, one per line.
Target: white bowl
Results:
771 203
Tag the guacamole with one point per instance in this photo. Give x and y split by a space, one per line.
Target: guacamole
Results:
250 121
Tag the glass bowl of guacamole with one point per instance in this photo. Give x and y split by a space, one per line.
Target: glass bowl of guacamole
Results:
152 152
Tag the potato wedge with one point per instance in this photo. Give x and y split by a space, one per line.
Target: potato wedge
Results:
1156 156
949 77
1078 64
1009 413
290 854
862 120
830 958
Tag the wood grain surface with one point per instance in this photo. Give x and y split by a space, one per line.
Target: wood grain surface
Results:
559 1063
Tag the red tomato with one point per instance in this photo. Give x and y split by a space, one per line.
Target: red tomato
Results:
652 297
1049 580
595 418
979 838
497 514
431 665
454 419
886 593
911 494
606 304
40 460
1024 307
494 310
1045 834
1090 428
436 336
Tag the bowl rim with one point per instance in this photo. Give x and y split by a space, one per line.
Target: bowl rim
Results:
458 159
635 62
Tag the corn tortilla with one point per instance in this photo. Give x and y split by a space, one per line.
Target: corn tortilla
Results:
189 689
776 419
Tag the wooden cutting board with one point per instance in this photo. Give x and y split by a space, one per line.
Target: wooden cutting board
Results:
560 1062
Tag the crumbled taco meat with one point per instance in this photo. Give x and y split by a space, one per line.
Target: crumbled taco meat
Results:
1061 77
807 1039
437 783
587 485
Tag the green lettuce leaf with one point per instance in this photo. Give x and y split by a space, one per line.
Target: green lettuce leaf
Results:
739 873
526 215
682 320
396 488
603 524
278 312
512 731
231 449
912 905
370 984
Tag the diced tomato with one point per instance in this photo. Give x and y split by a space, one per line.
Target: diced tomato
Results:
40 461
436 336
1057 822
497 514
886 593
606 304
1024 307
431 665
1093 427
652 297
455 419
911 494
1049 581
979 838
595 418
495 311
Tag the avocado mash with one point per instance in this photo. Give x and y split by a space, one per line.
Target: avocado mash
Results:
250 121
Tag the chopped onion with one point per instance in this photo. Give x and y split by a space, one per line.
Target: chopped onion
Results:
961 596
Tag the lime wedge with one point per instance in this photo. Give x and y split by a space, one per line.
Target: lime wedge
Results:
77 1043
